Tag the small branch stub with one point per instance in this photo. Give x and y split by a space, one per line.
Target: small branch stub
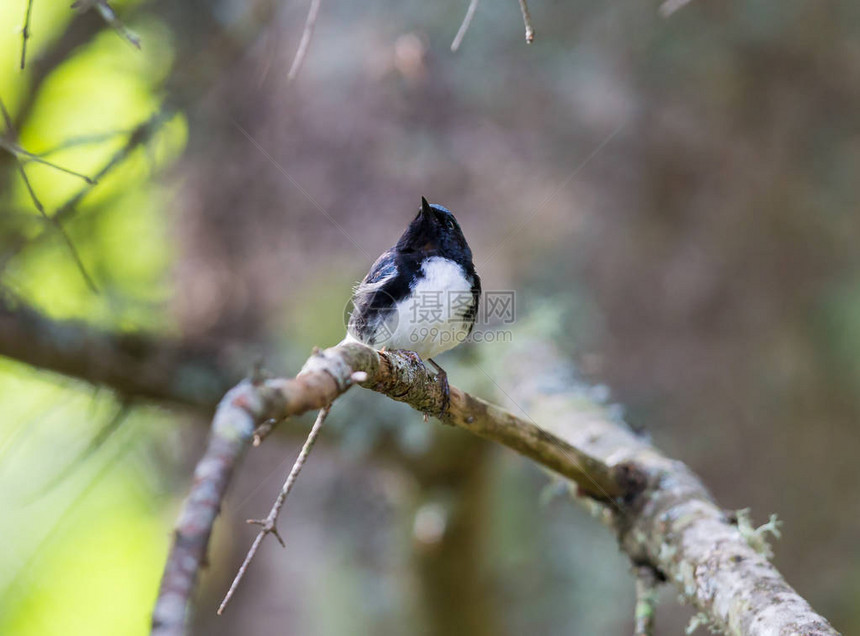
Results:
527 21
305 42
646 600
461 32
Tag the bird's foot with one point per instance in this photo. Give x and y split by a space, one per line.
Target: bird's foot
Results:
442 378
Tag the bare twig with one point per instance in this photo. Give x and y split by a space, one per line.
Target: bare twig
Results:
110 17
61 230
670 6
103 435
79 31
269 524
141 135
17 151
646 600
305 42
527 20
7 119
41 209
25 33
467 20
83 140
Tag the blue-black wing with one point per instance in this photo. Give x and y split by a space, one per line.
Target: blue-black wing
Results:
472 313
375 297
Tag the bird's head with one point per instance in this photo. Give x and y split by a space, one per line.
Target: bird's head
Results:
435 232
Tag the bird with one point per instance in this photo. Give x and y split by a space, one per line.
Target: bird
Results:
421 295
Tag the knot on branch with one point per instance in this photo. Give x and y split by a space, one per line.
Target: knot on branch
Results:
632 480
338 367
403 377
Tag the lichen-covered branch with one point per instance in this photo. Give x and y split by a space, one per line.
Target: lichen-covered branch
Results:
231 432
646 600
400 375
673 524
664 516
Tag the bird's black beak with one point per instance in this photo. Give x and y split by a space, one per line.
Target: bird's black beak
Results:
425 210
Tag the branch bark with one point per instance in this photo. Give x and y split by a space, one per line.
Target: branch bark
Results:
673 524
134 365
326 375
664 517
646 600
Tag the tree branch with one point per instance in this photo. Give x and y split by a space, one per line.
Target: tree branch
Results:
110 17
673 524
134 365
325 376
663 515
25 33
305 42
646 600
464 26
231 432
527 21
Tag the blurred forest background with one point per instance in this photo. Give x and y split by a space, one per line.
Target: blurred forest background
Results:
674 200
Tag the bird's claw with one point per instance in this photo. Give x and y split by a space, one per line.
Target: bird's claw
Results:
442 378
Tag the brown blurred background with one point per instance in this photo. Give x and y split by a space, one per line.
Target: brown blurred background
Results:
675 200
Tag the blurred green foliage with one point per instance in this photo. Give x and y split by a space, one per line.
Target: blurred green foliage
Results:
83 556
703 263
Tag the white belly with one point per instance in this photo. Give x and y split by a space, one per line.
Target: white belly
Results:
431 320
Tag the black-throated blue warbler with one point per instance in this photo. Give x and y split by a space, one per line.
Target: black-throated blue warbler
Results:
422 294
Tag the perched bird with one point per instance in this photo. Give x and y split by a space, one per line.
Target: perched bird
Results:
422 294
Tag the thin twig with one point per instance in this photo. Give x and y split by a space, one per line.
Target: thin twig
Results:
263 431
52 220
646 600
110 17
305 42
670 6
41 209
83 140
7 118
269 524
461 32
17 151
527 20
25 33
141 135
102 435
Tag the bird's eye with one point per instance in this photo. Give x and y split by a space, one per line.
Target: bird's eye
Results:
449 224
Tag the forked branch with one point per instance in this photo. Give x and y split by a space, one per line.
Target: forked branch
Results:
664 517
